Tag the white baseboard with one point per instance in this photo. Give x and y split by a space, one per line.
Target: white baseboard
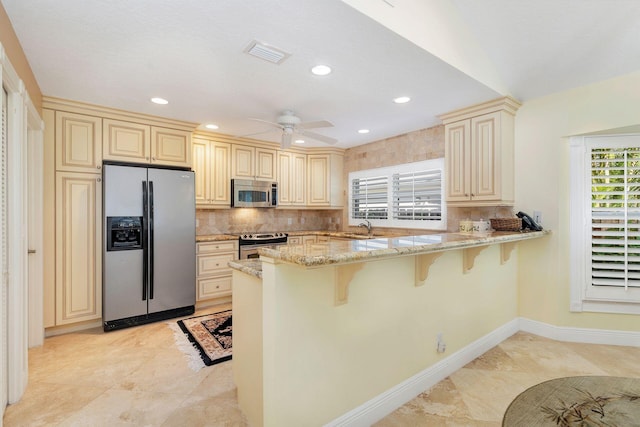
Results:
583 335
385 403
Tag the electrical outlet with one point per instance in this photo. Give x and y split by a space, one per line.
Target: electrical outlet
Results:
441 347
537 217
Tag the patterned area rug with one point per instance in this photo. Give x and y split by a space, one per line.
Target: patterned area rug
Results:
210 335
577 401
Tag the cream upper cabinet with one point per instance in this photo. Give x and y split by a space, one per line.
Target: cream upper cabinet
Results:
126 141
211 164
134 142
78 141
324 180
479 144
78 250
253 162
291 178
170 147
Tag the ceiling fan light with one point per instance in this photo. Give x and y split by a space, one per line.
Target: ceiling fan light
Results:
321 70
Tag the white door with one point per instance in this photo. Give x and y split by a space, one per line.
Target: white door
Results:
34 236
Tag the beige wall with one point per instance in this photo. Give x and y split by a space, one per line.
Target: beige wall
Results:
543 126
345 355
16 55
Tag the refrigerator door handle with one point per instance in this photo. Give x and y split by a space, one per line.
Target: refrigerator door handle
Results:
151 243
145 243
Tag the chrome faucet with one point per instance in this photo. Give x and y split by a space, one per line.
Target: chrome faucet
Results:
368 226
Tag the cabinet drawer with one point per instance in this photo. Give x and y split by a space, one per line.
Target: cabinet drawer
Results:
295 240
213 247
214 264
213 287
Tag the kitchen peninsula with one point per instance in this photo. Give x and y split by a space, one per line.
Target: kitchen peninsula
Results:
321 329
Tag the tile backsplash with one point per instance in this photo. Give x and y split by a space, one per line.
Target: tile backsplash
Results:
243 220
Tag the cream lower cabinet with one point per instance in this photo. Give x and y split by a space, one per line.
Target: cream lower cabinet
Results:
292 178
302 240
211 164
78 283
479 150
213 276
140 143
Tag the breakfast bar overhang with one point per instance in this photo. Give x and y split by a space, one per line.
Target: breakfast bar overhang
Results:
321 330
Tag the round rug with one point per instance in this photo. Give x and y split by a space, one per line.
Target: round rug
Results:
577 401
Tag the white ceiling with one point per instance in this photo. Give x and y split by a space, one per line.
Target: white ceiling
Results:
120 53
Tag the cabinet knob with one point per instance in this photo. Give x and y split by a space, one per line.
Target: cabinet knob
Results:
153 158
99 167
99 180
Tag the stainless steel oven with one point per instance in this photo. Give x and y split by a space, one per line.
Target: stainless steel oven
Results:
250 243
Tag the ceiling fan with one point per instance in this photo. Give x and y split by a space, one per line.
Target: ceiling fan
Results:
291 125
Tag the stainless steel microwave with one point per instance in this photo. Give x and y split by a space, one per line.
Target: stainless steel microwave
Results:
247 193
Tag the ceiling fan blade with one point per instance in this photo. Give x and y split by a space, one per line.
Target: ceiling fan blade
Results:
267 122
256 133
318 137
286 140
311 125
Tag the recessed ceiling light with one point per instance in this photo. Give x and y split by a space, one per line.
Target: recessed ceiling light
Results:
363 131
299 141
321 70
211 126
402 100
160 101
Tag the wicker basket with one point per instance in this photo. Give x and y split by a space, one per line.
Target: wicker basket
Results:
506 224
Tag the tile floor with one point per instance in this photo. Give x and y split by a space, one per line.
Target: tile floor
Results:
138 377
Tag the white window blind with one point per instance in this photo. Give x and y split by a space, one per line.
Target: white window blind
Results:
604 231
615 217
369 197
417 195
408 196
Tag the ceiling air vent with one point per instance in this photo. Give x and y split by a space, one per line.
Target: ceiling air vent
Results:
266 52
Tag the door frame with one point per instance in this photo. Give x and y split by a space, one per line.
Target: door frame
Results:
22 119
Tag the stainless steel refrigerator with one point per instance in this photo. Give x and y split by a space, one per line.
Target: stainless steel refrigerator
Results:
149 261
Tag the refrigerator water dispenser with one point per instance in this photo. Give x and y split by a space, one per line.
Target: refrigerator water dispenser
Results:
124 233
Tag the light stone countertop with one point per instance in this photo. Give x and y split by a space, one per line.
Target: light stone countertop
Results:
340 252
249 266
216 237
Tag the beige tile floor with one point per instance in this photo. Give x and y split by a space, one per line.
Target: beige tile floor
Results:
138 377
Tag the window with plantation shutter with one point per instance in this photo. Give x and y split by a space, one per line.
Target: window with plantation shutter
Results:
605 230
406 196
417 195
369 197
